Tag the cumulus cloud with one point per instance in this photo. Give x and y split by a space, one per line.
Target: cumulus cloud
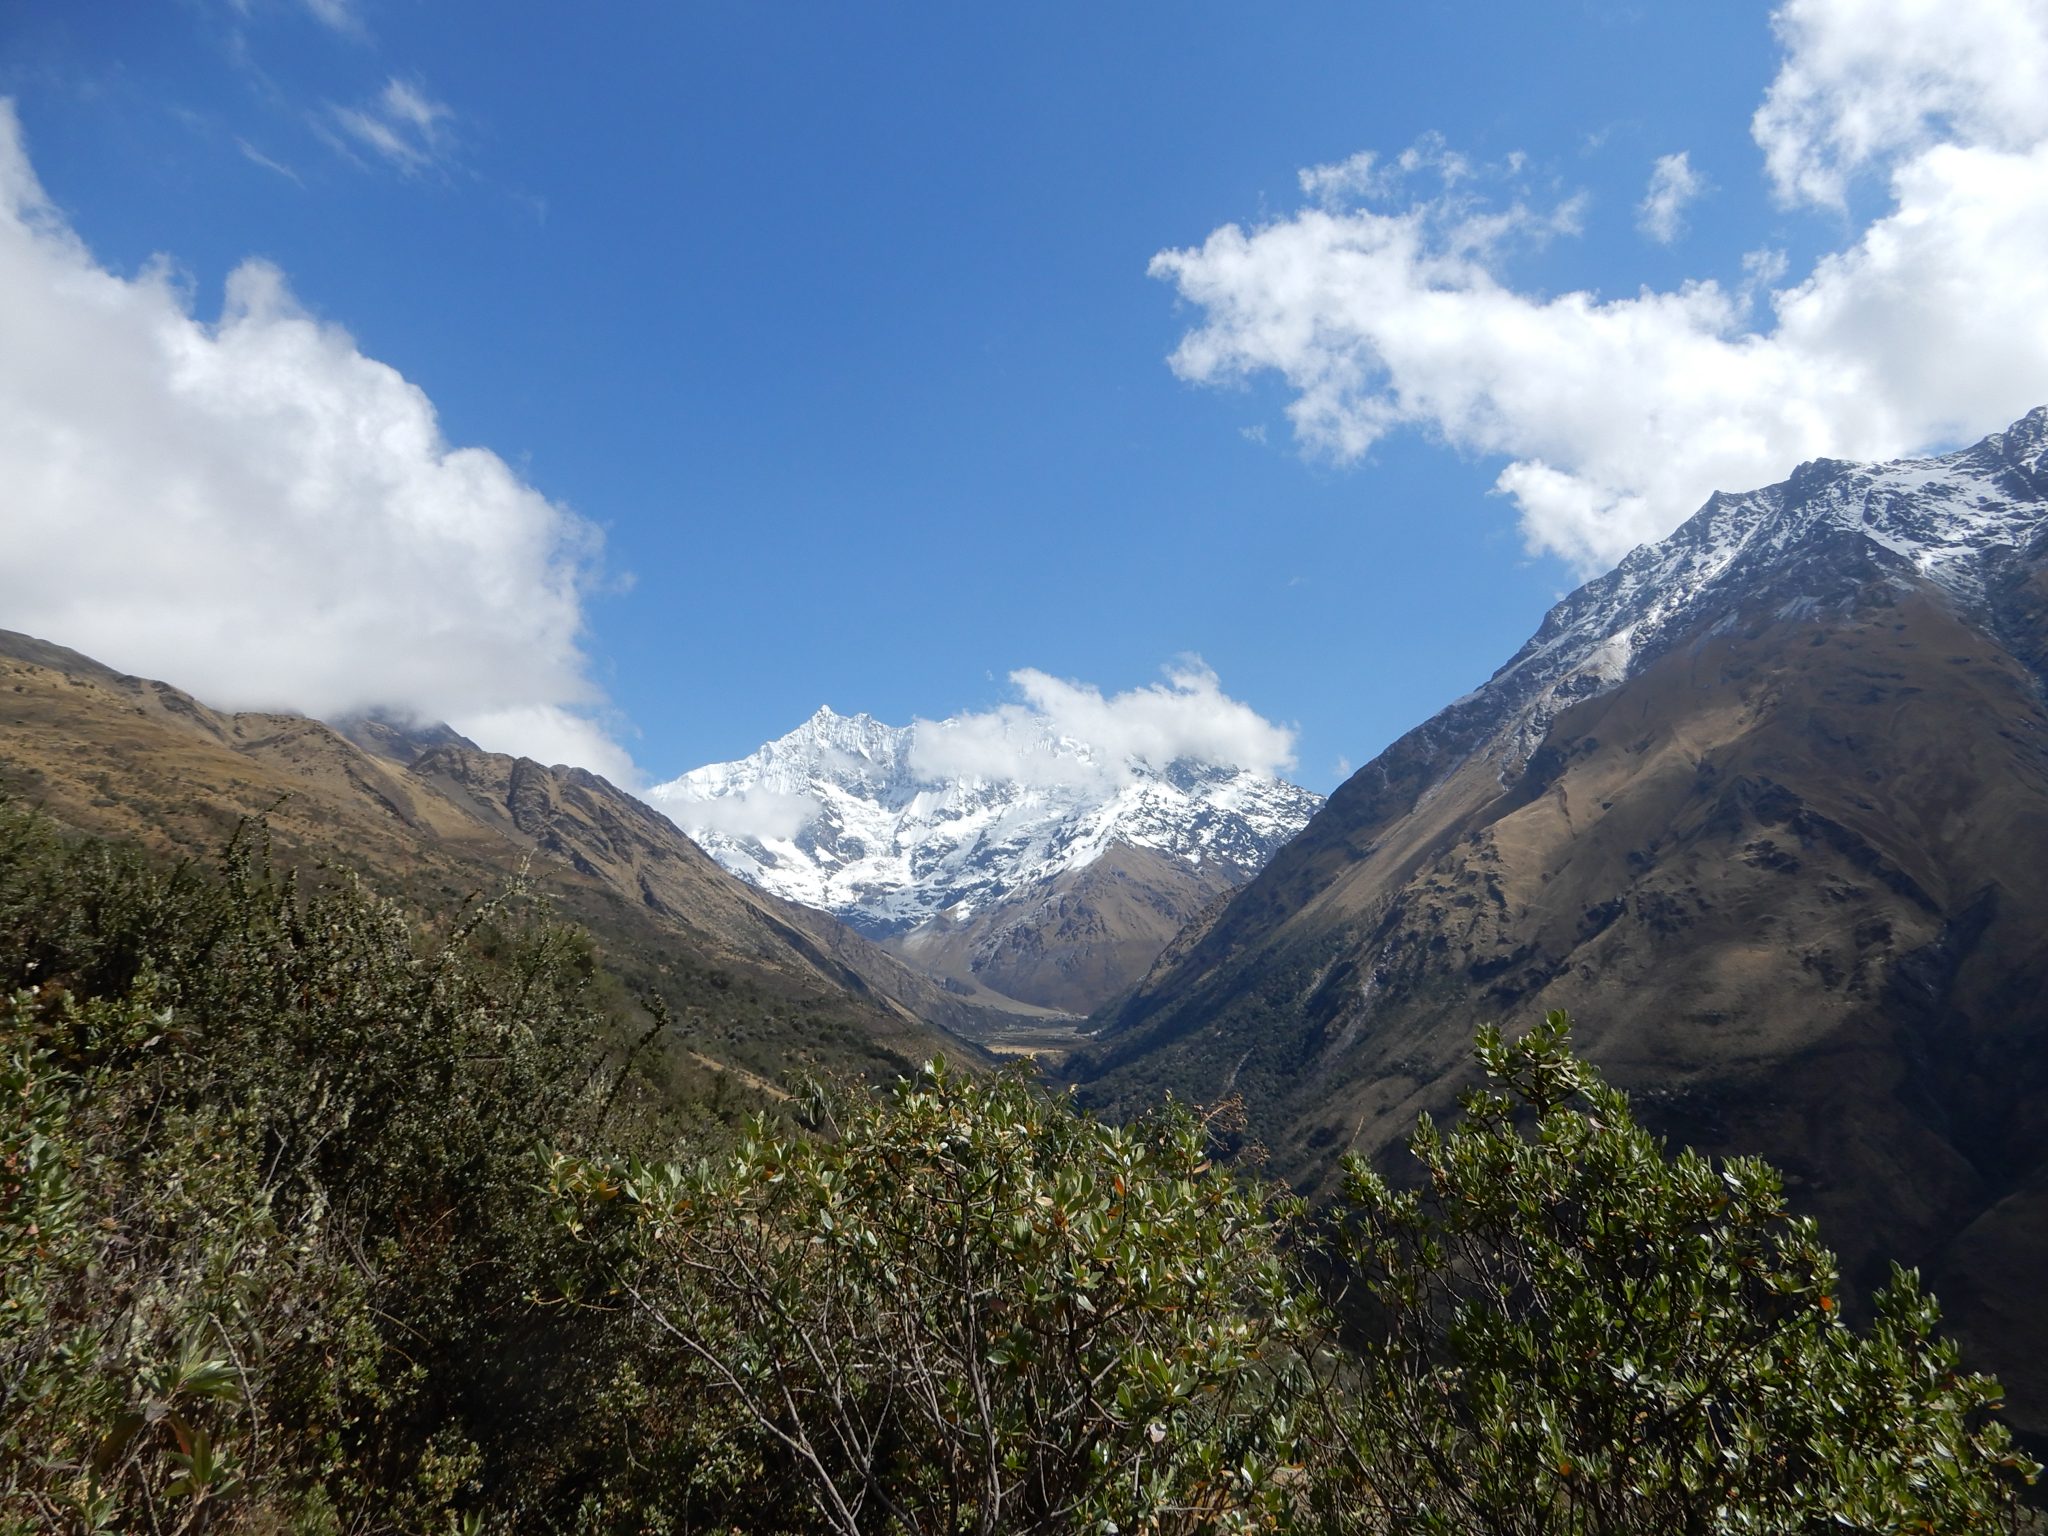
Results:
1673 184
1065 732
1619 416
1865 81
252 509
764 815
402 124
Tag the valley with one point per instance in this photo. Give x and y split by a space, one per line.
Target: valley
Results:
943 771
1762 809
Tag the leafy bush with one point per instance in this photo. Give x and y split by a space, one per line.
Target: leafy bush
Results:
152 1294
1571 1332
972 1310
268 1220
279 1250
967 1309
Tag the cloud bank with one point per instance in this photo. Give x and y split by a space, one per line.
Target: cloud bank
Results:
1034 741
1865 81
252 509
1384 306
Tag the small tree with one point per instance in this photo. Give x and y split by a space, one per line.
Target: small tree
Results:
1572 1332
974 1310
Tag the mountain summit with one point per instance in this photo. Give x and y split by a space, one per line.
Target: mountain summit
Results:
1764 808
932 834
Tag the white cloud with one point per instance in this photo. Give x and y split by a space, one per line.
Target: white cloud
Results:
1459 217
551 733
341 15
765 815
1343 180
1762 271
1673 184
401 123
252 509
1187 716
1619 416
1866 81
256 156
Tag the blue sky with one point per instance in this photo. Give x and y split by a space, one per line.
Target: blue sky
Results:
850 332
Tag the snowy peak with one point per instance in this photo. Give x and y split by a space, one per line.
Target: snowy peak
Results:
1948 520
890 826
850 749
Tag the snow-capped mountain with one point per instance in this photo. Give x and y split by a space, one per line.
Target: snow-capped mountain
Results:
1952 520
869 822
1763 810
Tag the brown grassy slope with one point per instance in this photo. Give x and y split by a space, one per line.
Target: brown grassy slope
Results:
1791 880
1074 941
128 757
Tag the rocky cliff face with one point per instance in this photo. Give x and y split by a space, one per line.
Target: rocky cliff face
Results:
1764 809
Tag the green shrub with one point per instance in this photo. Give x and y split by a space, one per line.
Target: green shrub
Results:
971 1309
280 1250
1570 1331
152 1297
267 1208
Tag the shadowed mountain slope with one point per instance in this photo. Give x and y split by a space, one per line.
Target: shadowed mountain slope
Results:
431 818
1766 809
1072 940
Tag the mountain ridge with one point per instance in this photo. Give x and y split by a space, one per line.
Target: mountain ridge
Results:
981 876
1763 809
892 839
1589 641
1068 940
434 819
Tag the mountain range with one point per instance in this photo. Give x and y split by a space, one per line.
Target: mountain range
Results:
1054 879
757 985
1766 809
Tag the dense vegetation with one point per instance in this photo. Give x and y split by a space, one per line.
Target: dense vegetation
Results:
313 1218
